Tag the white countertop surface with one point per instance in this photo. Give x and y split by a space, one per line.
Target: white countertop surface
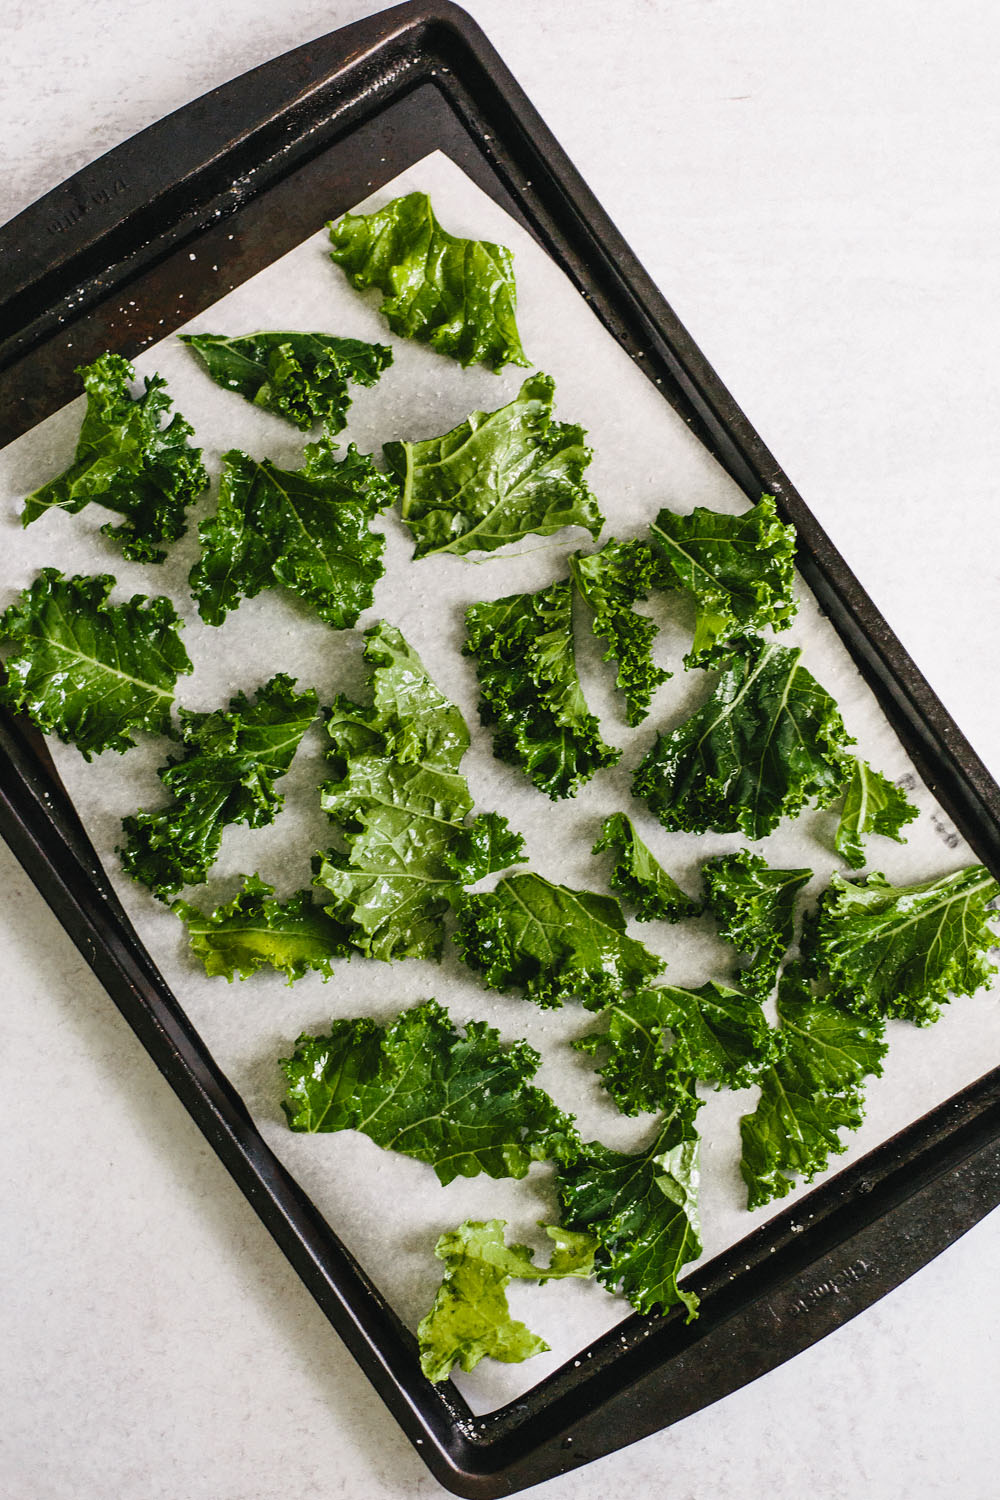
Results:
814 188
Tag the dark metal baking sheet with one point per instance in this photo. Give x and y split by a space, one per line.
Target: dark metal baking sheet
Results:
247 173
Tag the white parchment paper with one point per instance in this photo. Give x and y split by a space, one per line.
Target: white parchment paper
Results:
388 1209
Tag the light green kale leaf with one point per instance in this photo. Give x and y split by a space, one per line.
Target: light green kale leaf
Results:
470 1319
812 1092
641 1208
231 759
902 950
767 742
463 1103
610 581
755 909
128 459
553 942
307 530
639 877
401 804
659 1039
530 690
496 477
254 931
872 805
302 377
740 569
90 672
455 294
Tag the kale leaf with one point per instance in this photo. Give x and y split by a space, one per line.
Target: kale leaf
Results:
91 672
530 690
768 741
872 805
553 942
496 477
639 877
304 529
128 459
740 569
611 581
900 950
463 1103
231 759
455 294
470 1319
642 1209
755 909
813 1091
401 803
302 377
254 931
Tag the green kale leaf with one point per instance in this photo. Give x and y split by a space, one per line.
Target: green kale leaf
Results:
812 1092
91 672
463 1103
641 1208
470 1319
610 581
768 741
253 931
307 530
901 950
496 477
659 1039
128 459
226 775
302 377
755 909
456 295
401 804
639 877
740 569
872 805
530 690
553 942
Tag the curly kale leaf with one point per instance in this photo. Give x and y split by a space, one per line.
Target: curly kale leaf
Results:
639 877
463 1103
902 950
610 581
470 1319
307 530
740 569
254 931
812 1092
659 1039
641 1208
553 942
231 759
455 294
530 690
302 377
872 805
755 909
90 672
128 459
768 741
402 803
496 477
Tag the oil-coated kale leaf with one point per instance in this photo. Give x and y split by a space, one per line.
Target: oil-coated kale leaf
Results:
92 673
302 377
611 581
254 931
455 294
496 477
639 877
755 909
872 804
462 1102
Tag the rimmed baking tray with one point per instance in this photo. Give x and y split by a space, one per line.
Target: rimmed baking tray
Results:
273 155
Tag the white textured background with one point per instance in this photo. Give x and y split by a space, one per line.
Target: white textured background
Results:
815 190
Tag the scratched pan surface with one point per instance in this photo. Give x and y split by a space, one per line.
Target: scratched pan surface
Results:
118 258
